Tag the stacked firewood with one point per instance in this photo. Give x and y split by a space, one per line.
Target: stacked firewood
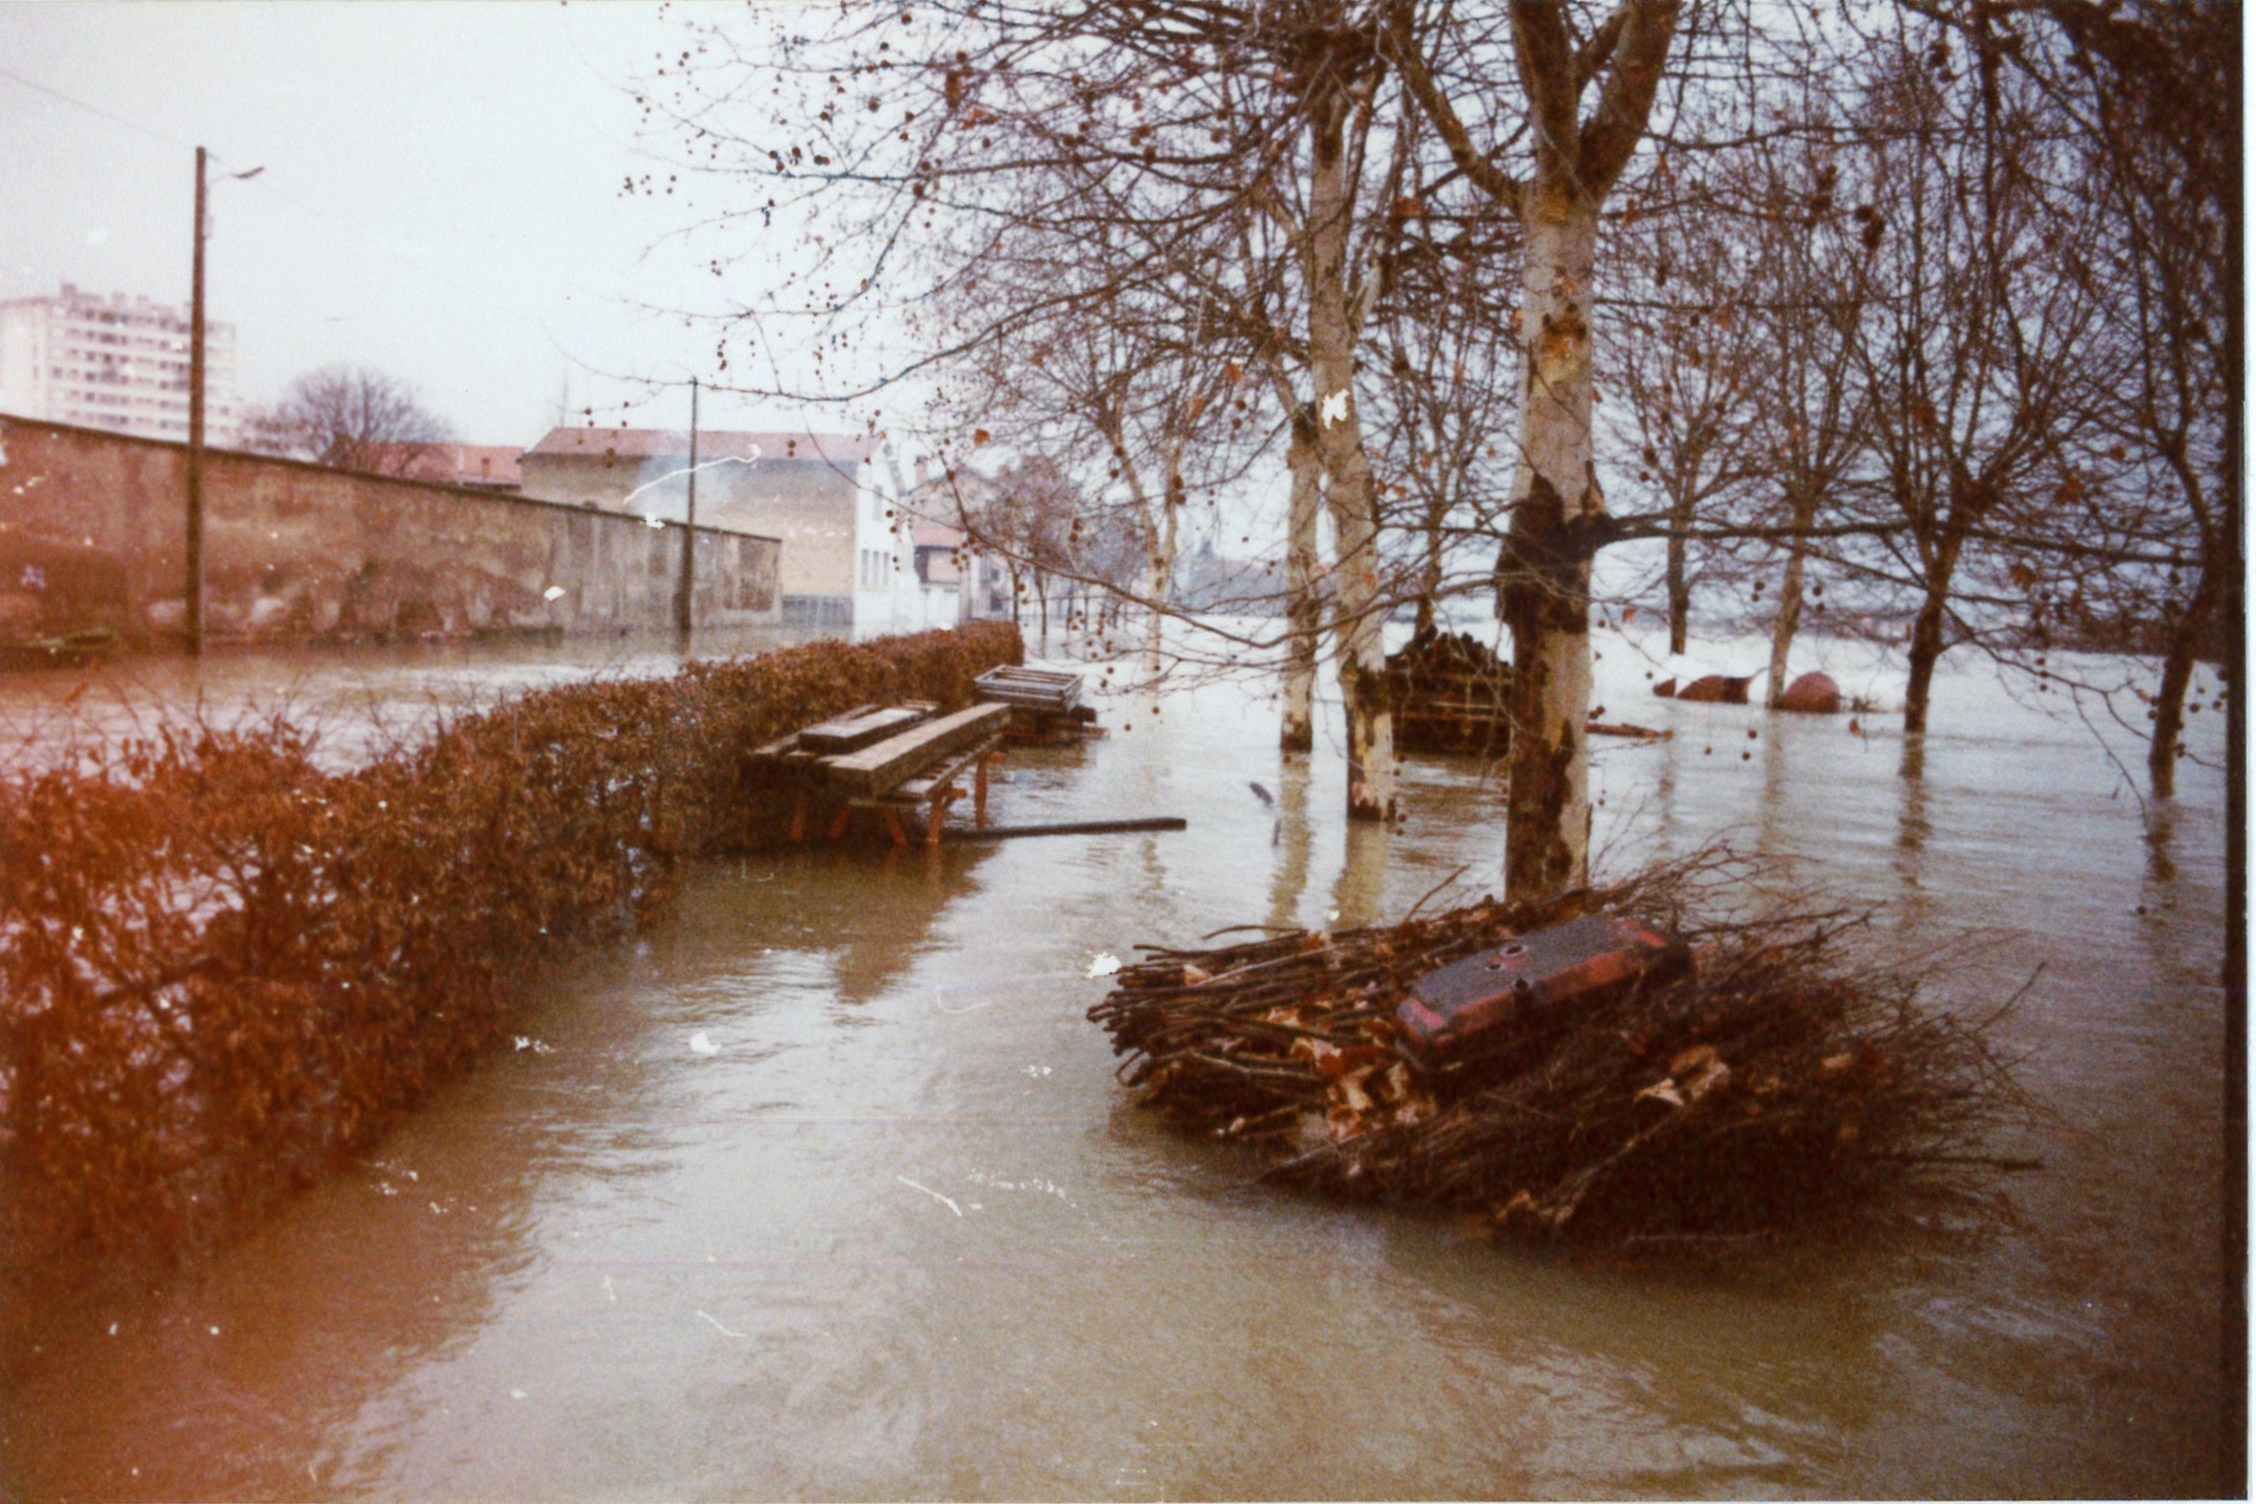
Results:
1773 1090
1449 692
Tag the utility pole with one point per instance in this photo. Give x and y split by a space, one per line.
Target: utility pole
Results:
195 550
686 591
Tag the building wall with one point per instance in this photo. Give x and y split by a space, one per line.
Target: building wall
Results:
807 505
115 364
294 552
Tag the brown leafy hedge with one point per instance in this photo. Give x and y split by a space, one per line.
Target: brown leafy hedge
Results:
221 966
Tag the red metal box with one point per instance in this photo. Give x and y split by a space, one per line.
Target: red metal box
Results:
1451 1011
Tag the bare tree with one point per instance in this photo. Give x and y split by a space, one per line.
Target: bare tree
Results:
1558 518
1689 351
1976 346
2154 88
351 417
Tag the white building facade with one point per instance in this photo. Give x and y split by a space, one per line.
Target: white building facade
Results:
912 571
114 363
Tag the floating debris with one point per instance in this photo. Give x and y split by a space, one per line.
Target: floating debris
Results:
1770 1089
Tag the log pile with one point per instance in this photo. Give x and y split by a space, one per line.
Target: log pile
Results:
1450 693
1773 1092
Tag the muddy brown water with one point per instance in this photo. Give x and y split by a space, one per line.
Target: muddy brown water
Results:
824 1187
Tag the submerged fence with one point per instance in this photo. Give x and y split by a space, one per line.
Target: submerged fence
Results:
221 967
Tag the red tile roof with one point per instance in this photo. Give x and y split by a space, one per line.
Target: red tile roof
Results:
450 464
648 443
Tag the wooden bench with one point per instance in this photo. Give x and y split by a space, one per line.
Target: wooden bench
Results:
936 791
891 772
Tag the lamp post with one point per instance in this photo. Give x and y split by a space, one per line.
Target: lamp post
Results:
195 549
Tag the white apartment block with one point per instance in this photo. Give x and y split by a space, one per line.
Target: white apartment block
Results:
114 363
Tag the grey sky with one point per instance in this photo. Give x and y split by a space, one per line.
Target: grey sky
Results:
441 195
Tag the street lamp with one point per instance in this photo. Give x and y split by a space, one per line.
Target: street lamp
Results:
195 550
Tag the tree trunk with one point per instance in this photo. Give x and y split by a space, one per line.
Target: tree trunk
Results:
2178 659
1789 618
1926 648
1303 611
1544 569
1159 578
1350 491
1679 587
1429 583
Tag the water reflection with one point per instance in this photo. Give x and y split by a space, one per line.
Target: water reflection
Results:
1912 829
1357 893
1290 837
2161 835
899 1233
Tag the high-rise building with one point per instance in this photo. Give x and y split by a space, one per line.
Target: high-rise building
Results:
114 363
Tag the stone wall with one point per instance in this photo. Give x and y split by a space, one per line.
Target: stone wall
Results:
93 530
806 504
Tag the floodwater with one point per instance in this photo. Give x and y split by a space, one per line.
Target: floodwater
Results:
824 1188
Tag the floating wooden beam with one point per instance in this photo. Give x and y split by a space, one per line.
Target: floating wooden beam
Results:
1065 828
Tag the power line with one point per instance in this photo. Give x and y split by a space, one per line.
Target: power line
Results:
95 109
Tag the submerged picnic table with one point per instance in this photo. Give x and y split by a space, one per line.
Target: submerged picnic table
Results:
892 759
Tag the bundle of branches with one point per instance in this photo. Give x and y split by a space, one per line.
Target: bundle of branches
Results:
1449 693
222 963
1774 1089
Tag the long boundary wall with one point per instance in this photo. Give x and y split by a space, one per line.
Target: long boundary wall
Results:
93 530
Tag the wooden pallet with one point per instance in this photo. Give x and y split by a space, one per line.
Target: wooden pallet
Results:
1034 688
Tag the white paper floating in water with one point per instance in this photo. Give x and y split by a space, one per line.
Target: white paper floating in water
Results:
700 1045
1104 965
553 593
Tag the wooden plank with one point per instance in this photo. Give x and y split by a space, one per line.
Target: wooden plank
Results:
858 728
917 789
1064 828
877 768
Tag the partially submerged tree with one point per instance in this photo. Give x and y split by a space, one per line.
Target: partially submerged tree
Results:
1979 336
1558 518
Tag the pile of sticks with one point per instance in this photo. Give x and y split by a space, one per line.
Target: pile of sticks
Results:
1774 1091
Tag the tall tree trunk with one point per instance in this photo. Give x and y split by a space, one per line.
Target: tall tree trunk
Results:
1304 613
2178 658
1350 491
1159 578
1544 569
1789 618
1926 648
1679 585
1429 582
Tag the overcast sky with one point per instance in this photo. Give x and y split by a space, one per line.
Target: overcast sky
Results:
440 198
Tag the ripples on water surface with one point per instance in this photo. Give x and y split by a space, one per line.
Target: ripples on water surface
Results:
895 1234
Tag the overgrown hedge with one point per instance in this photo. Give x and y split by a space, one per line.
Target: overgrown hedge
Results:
221 967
